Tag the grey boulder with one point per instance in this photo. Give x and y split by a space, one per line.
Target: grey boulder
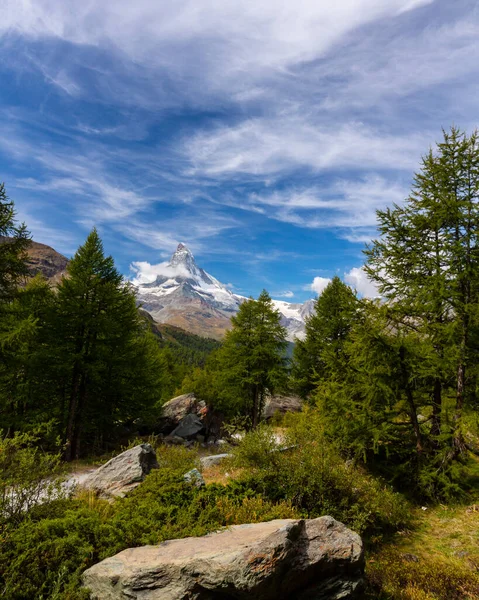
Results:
317 559
281 405
123 472
195 478
176 409
189 427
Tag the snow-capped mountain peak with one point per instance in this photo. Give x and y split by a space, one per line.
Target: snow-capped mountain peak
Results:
184 257
184 294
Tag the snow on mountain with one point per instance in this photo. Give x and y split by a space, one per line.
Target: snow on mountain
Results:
183 294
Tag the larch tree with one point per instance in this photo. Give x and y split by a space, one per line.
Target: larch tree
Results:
105 357
14 242
319 355
426 264
253 354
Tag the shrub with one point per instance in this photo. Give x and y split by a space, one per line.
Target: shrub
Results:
44 556
25 476
316 480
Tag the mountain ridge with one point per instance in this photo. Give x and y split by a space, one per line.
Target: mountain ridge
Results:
186 295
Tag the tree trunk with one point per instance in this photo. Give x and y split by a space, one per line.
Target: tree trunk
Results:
436 408
72 416
411 403
458 443
255 407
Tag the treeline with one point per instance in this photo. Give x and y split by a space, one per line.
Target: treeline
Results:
394 380
79 364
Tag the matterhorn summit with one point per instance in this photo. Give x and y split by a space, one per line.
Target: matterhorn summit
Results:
185 295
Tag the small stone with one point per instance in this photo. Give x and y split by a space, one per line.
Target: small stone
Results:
194 477
409 557
213 460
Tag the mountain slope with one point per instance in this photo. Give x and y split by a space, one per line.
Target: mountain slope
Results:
187 296
45 260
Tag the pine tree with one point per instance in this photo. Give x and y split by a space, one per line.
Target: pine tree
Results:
17 325
24 381
14 241
253 353
426 264
318 356
105 358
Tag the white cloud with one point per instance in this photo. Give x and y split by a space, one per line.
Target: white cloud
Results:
285 294
315 90
359 281
242 36
348 205
271 145
319 284
144 272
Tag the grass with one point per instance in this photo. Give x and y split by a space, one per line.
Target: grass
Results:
437 559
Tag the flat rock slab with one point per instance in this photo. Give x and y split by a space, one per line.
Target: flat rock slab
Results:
317 559
123 472
213 460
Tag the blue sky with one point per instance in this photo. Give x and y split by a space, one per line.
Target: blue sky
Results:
263 134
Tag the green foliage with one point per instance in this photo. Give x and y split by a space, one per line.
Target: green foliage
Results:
426 265
44 556
316 479
25 477
184 356
25 385
14 241
393 380
320 355
252 360
216 386
394 576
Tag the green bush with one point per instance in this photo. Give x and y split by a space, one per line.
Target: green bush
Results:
316 480
394 576
25 476
44 556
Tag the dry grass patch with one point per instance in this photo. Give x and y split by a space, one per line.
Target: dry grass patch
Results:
438 560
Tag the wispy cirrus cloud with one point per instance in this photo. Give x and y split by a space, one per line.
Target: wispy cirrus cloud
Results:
268 146
244 128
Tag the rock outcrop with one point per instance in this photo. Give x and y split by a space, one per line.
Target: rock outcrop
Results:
281 405
123 472
176 409
317 559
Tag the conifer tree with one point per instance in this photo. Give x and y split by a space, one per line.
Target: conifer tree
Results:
17 326
426 264
14 241
104 357
253 353
319 355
